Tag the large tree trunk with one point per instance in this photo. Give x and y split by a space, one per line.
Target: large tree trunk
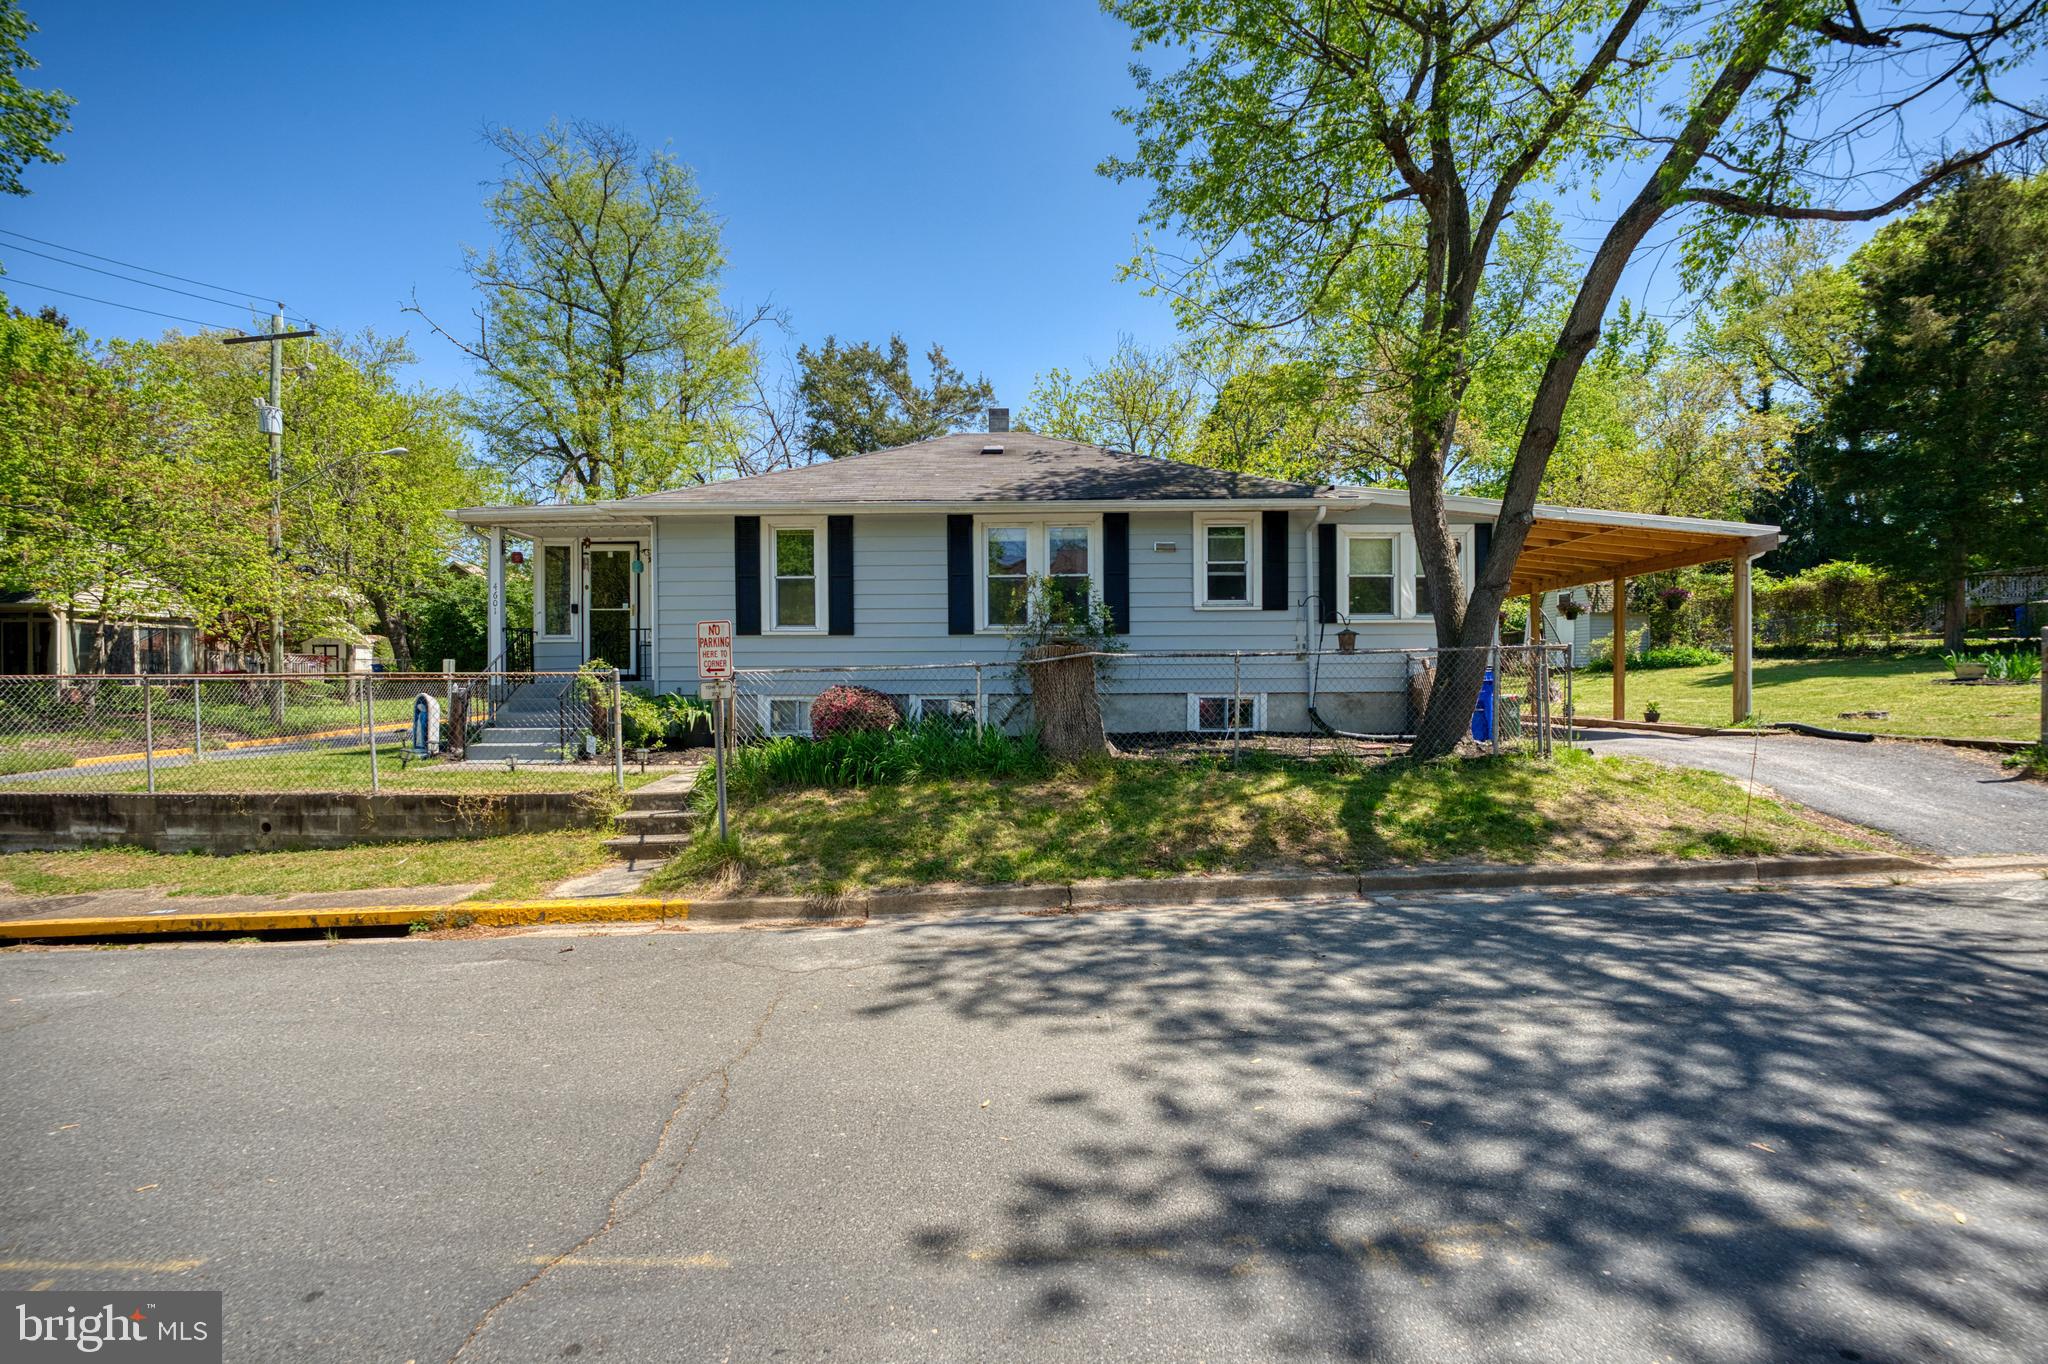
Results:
1955 612
1063 699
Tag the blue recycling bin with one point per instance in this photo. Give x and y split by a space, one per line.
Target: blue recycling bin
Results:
1482 714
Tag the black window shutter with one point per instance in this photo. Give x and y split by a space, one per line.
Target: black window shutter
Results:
839 569
1482 544
1326 572
960 575
1116 569
746 575
1273 561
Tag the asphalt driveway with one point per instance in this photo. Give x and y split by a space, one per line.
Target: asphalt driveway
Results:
1761 1127
1940 799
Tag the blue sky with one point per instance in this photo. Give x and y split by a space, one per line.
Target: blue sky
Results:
908 166
925 168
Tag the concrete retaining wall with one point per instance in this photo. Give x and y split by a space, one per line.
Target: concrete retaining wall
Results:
226 823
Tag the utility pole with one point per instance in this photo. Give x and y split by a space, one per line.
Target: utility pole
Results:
271 422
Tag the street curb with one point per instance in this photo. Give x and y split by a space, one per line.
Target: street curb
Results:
1082 895
491 914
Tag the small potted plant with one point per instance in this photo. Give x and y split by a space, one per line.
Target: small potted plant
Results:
1966 667
1653 712
1569 607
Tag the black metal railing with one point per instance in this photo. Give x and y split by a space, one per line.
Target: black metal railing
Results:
519 650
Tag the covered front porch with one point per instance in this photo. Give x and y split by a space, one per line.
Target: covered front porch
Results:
1566 549
594 592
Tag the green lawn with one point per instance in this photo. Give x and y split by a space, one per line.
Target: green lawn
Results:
346 769
1138 817
514 865
1915 688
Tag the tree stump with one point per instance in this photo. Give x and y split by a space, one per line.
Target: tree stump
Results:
1063 699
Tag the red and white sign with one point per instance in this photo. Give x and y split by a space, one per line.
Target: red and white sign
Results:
714 648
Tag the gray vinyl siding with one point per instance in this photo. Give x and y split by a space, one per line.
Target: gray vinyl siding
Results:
900 597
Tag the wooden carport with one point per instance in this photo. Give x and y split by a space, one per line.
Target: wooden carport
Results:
1568 548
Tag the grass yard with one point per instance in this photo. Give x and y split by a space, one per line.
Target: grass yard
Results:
1915 688
1138 817
334 769
514 866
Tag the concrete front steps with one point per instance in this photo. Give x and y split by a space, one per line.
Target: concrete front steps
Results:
658 820
528 727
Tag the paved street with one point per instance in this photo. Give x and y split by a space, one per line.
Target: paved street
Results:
1945 800
1766 1125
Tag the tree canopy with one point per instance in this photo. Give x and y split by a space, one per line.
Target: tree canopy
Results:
1936 447
859 396
1362 173
31 120
610 363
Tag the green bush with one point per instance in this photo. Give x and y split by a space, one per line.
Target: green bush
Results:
934 747
681 717
641 722
1668 656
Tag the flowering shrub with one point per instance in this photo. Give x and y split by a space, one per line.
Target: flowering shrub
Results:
851 710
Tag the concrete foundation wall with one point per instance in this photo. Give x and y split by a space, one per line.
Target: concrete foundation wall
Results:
224 823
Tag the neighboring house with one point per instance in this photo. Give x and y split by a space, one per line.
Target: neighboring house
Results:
919 554
2016 600
41 637
353 652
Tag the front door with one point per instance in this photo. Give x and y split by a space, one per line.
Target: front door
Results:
611 608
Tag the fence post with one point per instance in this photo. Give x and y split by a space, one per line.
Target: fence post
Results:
618 737
148 738
370 727
1571 717
198 735
1236 699
2044 686
1493 730
977 690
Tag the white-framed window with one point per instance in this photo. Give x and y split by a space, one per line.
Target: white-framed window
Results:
794 580
554 590
1461 536
1010 551
1226 563
786 715
959 709
1369 566
1224 713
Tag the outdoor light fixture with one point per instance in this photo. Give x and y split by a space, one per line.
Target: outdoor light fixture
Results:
1347 640
517 556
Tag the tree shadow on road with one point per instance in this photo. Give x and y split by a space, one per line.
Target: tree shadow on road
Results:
1804 1125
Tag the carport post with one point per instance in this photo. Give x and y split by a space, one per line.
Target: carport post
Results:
1532 633
1741 619
1619 615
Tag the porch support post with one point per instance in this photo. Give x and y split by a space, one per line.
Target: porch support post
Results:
1533 632
62 661
494 627
1741 619
1619 615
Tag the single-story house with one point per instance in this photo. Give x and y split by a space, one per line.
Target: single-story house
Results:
919 554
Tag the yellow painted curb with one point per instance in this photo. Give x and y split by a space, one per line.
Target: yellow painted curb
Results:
229 745
491 914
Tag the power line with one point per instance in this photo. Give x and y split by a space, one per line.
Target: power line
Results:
53 289
147 284
182 279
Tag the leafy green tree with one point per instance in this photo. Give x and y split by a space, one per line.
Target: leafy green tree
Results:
31 120
1359 169
108 506
859 397
1939 443
370 469
611 365
1142 400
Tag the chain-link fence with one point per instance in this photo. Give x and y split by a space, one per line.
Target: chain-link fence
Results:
1362 702
453 732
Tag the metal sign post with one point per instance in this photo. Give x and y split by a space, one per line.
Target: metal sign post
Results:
714 671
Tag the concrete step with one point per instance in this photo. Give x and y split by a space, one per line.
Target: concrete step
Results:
530 734
525 753
676 821
672 792
652 845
